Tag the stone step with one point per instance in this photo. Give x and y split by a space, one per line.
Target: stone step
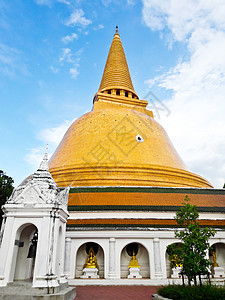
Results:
25 288
66 294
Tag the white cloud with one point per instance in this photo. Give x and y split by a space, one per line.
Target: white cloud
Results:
51 136
183 17
69 38
54 69
35 156
50 2
64 1
44 2
11 62
77 18
100 26
66 55
69 57
54 135
79 52
74 72
107 2
130 2
196 124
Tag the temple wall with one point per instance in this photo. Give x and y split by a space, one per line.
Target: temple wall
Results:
114 261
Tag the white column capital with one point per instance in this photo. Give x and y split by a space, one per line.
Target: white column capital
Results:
156 240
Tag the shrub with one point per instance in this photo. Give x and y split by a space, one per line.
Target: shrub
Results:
206 292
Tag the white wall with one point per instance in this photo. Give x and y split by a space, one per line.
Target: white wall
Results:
122 238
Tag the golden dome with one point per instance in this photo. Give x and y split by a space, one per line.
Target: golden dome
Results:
119 143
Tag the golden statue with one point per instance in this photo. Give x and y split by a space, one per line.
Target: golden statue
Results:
133 262
215 264
91 261
175 260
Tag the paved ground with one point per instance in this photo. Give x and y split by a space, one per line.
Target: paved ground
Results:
115 292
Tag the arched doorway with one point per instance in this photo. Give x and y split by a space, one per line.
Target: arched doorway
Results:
172 261
25 252
217 255
81 258
142 257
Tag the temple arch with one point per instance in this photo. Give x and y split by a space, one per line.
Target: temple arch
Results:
24 254
82 254
169 269
217 254
142 257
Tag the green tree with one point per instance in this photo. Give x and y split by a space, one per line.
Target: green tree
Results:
6 188
195 242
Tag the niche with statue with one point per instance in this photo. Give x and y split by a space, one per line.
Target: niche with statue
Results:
174 263
134 267
127 259
217 257
91 268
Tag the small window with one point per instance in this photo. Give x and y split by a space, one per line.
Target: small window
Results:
109 91
117 92
126 94
139 138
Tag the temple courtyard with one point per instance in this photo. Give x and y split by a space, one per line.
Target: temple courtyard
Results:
115 292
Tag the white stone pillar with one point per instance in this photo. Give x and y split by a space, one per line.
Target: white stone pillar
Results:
62 254
112 267
55 245
6 251
157 258
2 229
67 256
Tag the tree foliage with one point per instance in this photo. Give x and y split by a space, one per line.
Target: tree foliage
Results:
6 188
195 242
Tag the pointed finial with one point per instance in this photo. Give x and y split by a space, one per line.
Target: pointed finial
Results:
44 163
116 74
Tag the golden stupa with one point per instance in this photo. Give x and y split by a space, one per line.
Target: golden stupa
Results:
119 143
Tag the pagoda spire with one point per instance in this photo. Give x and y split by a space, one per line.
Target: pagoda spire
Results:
44 164
116 76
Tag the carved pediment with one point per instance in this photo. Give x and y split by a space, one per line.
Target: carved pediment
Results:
30 195
40 188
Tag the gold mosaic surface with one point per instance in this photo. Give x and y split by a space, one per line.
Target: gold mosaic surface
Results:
119 143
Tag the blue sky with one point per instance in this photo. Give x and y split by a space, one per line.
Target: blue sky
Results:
52 56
